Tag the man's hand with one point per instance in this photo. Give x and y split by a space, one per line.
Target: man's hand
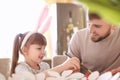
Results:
114 71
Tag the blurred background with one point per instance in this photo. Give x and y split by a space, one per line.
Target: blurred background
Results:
57 20
108 9
24 15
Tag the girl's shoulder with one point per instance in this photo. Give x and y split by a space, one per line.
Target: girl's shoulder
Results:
22 66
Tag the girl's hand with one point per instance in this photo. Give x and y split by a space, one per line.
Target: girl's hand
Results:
72 64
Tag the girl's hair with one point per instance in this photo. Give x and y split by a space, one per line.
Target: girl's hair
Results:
35 38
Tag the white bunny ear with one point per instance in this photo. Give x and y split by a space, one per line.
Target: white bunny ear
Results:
2 77
53 74
46 26
116 76
66 73
42 17
94 75
76 75
105 76
40 76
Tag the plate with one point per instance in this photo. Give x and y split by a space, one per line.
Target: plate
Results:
94 75
105 76
116 76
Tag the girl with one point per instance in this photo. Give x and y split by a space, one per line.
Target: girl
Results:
32 46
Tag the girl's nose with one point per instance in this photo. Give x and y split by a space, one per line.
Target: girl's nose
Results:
43 52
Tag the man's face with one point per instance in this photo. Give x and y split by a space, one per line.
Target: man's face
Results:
99 30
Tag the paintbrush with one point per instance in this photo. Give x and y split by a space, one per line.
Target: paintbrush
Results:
82 66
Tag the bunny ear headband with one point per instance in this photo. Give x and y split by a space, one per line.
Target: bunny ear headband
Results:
44 28
44 20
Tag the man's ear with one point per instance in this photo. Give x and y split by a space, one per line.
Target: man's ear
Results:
113 27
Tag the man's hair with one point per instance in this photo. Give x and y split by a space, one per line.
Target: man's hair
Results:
94 16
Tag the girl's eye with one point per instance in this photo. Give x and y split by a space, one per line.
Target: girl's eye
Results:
39 48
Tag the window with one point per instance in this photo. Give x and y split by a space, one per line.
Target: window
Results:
17 16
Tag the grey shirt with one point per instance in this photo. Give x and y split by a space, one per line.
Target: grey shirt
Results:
100 56
25 67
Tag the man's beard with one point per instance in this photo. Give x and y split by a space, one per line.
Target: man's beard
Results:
100 38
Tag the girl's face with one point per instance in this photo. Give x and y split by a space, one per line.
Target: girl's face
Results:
35 53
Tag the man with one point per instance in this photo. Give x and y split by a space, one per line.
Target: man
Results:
97 46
